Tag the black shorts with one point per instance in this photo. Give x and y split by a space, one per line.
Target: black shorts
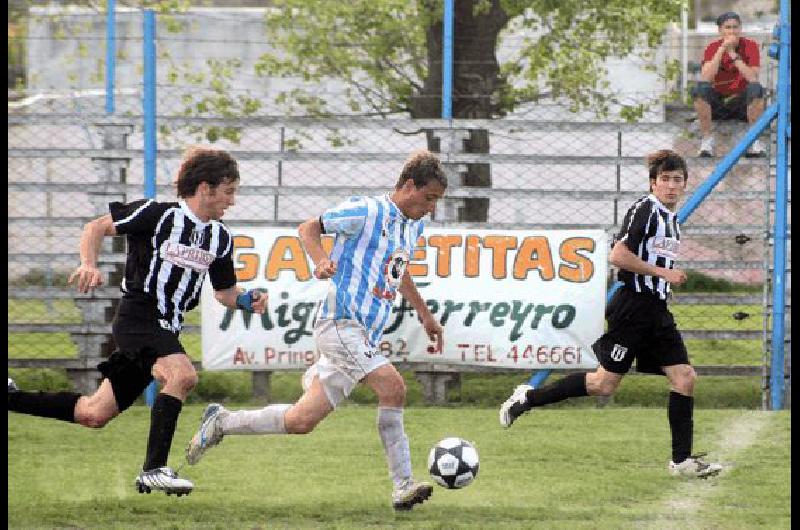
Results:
728 107
639 327
140 341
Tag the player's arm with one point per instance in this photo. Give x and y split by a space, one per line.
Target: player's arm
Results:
235 297
622 257
87 273
311 237
429 322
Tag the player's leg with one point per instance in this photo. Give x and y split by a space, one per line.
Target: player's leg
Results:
90 411
389 386
300 418
680 409
177 377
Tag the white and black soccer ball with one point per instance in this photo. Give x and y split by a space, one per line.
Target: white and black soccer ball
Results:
453 463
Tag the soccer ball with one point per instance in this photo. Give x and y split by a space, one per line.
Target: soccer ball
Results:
453 463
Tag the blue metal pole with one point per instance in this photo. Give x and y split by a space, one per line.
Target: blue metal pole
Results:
781 197
727 162
111 53
149 112
447 61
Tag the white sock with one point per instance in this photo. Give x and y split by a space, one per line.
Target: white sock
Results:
268 420
395 443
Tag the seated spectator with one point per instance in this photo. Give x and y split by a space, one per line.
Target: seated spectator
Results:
728 88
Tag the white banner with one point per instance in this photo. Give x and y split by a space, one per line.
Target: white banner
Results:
512 299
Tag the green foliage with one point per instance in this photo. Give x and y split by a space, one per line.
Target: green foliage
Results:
219 386
699 282
381 49
40 278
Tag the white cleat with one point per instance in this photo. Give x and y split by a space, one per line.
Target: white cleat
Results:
694 467
208 435
164 479
409 493
514 406
12 386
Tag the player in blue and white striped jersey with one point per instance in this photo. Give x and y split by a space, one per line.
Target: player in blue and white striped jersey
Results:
375 237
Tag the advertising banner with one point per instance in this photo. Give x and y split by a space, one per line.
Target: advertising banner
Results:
511 299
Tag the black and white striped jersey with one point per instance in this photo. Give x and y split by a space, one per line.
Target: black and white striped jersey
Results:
169 252
650 230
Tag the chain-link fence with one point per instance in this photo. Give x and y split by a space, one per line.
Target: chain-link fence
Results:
540 166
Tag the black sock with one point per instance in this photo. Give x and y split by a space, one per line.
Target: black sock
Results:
574 385
58 405
679 412
163 420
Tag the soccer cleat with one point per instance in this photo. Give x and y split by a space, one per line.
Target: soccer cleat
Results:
706 147
695 467
207 436
12 386
756 149
164 479
514 406
409 493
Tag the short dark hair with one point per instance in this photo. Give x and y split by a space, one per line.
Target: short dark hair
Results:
422 167
666 160
727 16
205 164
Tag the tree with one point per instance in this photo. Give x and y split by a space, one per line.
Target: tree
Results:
388 53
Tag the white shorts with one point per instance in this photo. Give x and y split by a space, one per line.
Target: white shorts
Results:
345 358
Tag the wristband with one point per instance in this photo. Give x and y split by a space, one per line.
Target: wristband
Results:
245 300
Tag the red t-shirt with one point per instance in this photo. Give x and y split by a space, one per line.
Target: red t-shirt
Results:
728 79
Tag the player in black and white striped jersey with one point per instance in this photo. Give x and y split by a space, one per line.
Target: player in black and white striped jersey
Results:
640 326
171 248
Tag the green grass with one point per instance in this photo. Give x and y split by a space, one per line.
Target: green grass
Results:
556 468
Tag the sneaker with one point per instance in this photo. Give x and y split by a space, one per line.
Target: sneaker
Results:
756 149
164 479
514 406
409 493
12 386
706 146
694 467
207 436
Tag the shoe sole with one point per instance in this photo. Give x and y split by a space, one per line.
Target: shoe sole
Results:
421 496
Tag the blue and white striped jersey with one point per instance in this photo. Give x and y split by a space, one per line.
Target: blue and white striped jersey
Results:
373 245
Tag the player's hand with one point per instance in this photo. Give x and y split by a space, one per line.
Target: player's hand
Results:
325 269
434 331
260 300
675 276
88 277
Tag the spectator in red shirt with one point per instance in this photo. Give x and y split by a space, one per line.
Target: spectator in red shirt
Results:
729 87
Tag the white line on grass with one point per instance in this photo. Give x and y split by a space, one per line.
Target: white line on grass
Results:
688 498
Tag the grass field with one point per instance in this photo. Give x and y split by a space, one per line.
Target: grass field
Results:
556 468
